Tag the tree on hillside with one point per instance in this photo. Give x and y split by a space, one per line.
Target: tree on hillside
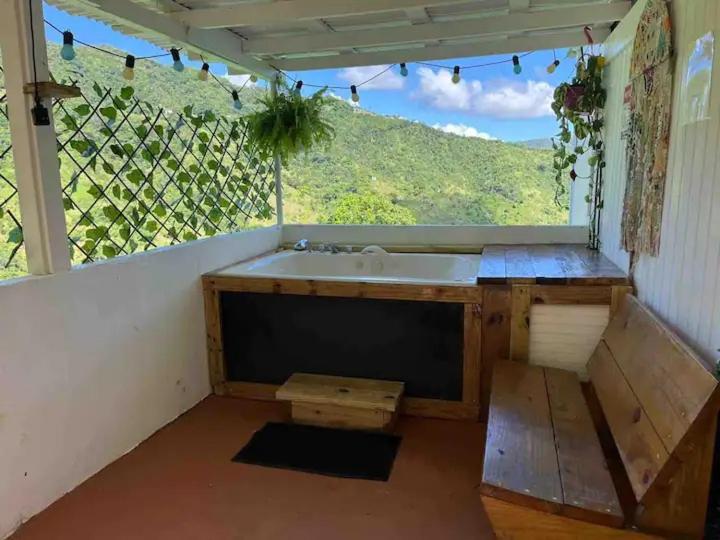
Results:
369 208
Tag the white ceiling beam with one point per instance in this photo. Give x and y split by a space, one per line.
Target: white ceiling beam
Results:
222 45
488 26
519 5
442 52
287 11
418 15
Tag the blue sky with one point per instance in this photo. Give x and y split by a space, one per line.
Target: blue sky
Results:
489 101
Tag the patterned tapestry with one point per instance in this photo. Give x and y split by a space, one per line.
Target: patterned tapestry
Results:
648 133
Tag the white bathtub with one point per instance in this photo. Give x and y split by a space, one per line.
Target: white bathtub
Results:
441 269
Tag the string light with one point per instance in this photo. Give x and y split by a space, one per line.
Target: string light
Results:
354 94
403 69
253 78
552 67
177 63
203 73
67 52
236 100
517 68
456 75
129 71
298 87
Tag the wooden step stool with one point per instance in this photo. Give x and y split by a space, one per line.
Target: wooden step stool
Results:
342 402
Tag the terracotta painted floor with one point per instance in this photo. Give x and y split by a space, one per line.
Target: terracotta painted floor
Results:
181 484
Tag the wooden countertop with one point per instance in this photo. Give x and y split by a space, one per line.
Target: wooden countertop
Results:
551 264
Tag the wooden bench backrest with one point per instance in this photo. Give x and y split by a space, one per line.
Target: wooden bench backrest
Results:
652 389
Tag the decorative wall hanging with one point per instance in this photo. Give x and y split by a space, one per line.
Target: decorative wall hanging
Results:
648 133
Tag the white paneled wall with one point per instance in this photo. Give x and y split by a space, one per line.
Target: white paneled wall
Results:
682 285
565 336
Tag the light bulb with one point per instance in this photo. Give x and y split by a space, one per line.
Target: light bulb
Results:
67 52
236 100
354 95
203 73
517 68
552 67
403 69
129 71
456 75
253 78
298 87
177 63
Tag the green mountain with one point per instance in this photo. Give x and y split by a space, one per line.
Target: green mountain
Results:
378 170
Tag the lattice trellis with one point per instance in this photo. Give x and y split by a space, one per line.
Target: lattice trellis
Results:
135 177
12 251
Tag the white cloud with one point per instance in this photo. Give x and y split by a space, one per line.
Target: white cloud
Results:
390 80
464 131
502 99
240 80
349 101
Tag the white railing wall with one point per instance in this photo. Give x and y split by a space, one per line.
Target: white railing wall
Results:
96 359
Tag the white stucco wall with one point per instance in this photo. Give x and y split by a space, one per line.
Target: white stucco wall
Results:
95 360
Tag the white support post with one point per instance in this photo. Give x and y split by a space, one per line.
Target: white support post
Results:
37 169
277 166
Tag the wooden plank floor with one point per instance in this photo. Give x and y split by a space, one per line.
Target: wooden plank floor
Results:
180 484
561 264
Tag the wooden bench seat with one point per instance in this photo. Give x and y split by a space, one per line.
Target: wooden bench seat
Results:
542 449
657 401
342 402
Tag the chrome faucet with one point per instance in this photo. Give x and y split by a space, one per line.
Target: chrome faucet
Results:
302 245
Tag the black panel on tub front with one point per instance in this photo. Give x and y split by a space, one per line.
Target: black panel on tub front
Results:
268 337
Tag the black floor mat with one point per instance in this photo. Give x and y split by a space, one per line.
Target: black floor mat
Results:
320 450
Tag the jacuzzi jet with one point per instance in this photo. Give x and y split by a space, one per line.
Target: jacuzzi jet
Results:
373 250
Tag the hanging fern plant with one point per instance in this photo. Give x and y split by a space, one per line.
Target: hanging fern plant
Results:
289 123
578 106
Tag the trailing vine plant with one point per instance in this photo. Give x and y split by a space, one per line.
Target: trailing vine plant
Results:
579 106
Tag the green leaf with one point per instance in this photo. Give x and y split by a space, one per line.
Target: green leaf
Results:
108 168
188 236
67 204
15 236
111 212
110 113
135 176
160 210
83 110
151 226
94 191
124 233
96 233
88 246
109 251
99 91
126 92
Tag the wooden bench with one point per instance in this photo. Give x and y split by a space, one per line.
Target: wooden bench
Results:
546 474
342 402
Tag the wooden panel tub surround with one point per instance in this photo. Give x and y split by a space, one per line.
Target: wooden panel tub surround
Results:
543 453
469 297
